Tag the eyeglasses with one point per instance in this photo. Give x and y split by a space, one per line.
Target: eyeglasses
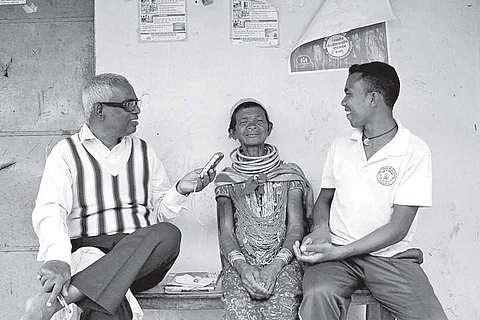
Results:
128 105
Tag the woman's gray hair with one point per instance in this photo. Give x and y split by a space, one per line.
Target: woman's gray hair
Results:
99 89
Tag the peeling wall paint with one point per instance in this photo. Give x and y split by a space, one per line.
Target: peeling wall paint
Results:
7 165
45 57
5 62
41 74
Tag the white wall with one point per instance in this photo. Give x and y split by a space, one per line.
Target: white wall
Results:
192 85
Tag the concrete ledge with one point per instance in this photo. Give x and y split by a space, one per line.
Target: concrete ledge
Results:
156 299
162 301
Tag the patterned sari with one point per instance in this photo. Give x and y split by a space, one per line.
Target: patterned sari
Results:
260 229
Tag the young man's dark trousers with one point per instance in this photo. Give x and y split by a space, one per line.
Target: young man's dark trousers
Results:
398 283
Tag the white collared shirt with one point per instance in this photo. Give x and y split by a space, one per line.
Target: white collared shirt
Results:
55 197
366 190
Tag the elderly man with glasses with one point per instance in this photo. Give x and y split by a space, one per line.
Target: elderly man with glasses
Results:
105 188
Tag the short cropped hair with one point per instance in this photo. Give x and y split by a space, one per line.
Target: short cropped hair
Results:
245 105
379 77
99 89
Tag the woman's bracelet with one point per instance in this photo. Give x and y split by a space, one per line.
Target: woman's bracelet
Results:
285 255
235 255
318 226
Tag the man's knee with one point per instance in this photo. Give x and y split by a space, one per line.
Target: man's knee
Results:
166 234
318 287
320 291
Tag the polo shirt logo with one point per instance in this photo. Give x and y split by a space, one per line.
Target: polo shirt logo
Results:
387 175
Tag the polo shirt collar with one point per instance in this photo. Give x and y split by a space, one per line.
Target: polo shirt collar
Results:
397 146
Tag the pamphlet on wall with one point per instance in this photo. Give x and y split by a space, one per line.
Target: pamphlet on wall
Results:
162 20
254 21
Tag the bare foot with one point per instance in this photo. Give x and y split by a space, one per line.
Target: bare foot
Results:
37 310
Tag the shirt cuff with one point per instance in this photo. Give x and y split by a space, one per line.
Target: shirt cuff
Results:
174 198
171 205
57 252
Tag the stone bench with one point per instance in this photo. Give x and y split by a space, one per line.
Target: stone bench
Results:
157 299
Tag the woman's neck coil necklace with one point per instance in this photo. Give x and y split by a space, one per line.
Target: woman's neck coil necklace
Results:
255 165
366 140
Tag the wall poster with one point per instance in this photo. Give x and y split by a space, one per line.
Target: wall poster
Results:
254 21
342 50
342 33
163 20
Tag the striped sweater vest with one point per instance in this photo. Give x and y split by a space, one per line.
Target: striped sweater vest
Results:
105 204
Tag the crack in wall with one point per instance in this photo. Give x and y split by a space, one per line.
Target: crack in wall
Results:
6 165
5 63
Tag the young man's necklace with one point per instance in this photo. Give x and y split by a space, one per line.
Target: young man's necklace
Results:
366 140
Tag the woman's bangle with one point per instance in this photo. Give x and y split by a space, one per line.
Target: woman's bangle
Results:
318 226
235 255
285 255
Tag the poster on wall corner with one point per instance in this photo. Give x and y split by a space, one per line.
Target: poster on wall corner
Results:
341 50
162 20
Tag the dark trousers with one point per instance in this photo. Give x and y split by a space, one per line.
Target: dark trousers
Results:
398 283
136 261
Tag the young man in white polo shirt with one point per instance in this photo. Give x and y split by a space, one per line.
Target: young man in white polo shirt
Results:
373 182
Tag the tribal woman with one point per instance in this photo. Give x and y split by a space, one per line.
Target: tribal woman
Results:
261 205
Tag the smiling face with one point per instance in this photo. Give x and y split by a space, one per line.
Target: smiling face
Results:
251 128
356 101
117 121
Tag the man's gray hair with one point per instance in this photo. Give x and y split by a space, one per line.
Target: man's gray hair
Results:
99 89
